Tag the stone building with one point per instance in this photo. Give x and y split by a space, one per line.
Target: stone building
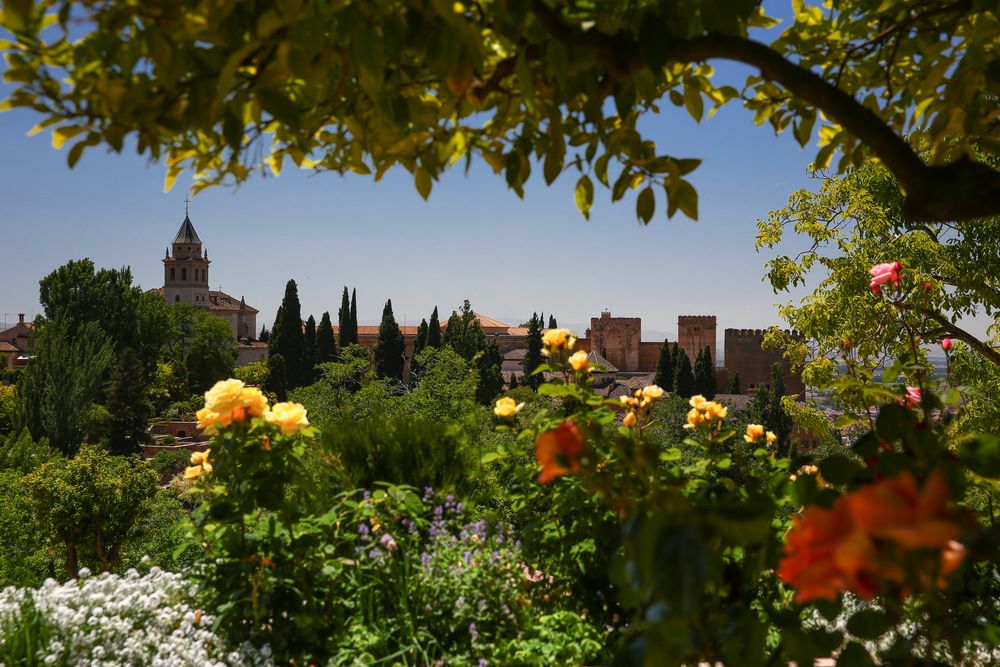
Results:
14 344
185 280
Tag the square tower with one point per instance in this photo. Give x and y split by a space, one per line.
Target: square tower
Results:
694 332
616 339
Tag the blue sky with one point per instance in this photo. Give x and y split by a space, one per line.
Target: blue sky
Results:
473 240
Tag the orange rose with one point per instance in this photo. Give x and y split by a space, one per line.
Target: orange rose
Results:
558 451
894 509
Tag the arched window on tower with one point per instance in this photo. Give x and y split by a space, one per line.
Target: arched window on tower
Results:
177 298
184 273
173 273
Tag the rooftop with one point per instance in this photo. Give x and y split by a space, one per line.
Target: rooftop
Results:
186 234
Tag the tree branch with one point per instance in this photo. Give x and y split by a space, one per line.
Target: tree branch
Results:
961 190
961 334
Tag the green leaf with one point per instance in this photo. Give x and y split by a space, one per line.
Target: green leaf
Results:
692 100
839 469
554 160
895 422
654 46
584 195
683 196
854 655
423 182
869 624
982 455
645 204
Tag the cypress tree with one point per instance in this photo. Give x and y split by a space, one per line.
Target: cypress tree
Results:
434 330
420 342
453 331
326 344
664 377
264 333
287 338
552 322
766 409
277 381
354 315
533 359
699 373
344 318
309 351
683 375
734 384
710 387
390 347
272 336
513 380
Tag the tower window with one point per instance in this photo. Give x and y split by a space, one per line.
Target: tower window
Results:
184 273
177 298
173 273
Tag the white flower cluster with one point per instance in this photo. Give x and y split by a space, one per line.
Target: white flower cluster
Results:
129 620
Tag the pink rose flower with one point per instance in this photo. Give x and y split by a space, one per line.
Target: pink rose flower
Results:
946 344
912 398
882 274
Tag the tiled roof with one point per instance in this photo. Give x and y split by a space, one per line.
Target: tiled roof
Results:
186 233
373 330
490 323
638 381
596 359
516 354
7 347
517 331
222 301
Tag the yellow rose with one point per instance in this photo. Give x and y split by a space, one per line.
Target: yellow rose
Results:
556 340
206 467
754 432
197 458
254 401
506 407
652 391
771 438
289 416
629 420
207 420
696 400
193 472
579 361
225 396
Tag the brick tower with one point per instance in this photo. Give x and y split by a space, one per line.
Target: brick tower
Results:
694 332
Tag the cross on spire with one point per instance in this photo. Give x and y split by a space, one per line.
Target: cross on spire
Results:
186 202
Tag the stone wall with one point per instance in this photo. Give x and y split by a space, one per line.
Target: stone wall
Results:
744 355
617 339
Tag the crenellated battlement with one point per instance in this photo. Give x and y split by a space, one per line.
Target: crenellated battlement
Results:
758 333
696 318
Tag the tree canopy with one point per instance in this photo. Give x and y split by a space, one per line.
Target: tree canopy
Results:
226 89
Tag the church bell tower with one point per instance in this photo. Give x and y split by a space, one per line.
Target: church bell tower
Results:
185 268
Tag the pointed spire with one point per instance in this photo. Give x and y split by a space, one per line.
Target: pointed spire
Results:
167 253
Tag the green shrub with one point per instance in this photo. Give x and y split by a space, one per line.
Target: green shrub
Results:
169 462
405 450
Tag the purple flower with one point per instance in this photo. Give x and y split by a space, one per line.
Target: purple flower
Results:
366 495
425 559
375 553
363 529
473 632
482 663
388 542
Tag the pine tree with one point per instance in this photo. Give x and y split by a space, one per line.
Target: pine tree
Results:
453 331
309 351
390 347
128 404
434 330
264 334
734 384
287 338
513 381
664 377
354 315
277 378
533 359
326 344
710 388
683 375
344 319
552 322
